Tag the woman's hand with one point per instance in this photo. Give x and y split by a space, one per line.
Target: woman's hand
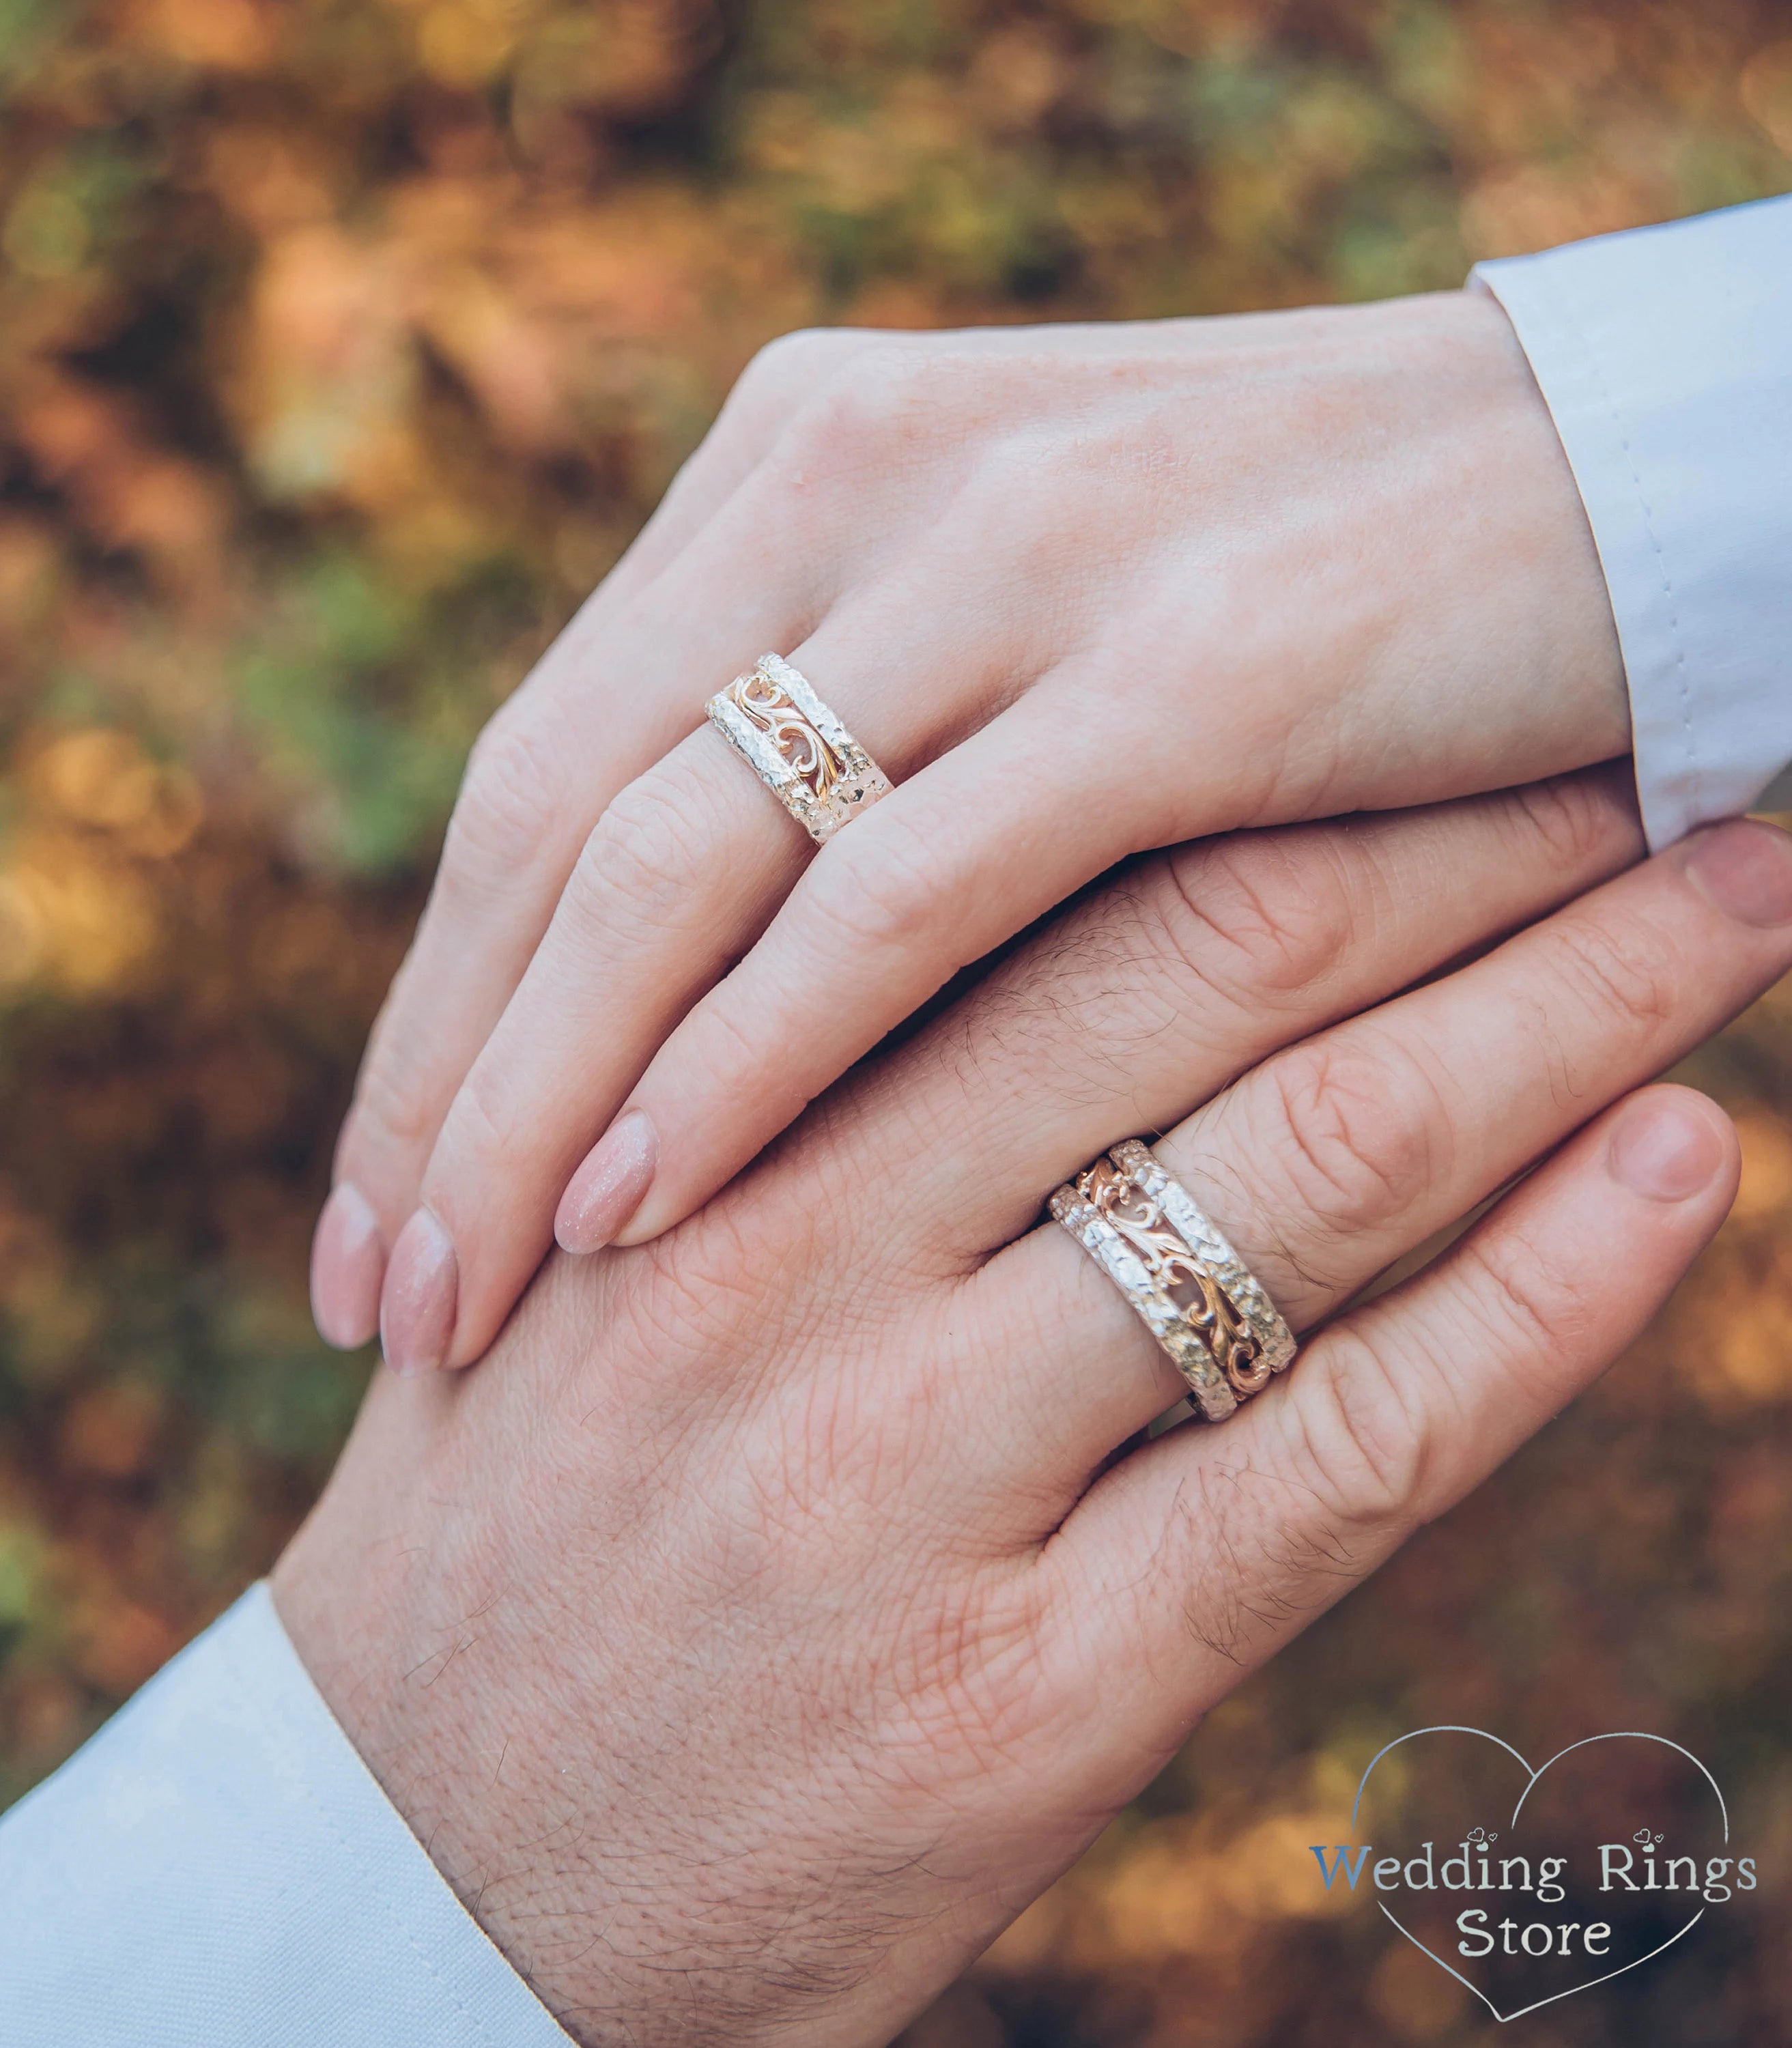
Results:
1081 591
772 1627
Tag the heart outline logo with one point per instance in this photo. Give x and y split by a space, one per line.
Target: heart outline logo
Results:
1614 1735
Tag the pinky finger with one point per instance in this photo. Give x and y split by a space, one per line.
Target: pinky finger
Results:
1201 1554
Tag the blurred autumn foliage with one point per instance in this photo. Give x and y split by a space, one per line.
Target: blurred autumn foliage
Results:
344 345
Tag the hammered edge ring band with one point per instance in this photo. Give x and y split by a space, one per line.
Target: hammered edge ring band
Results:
1151 1238
797 747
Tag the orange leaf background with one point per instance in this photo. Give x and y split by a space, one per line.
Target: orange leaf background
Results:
344 345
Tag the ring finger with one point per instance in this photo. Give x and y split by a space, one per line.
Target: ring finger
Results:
1334 1157
679 877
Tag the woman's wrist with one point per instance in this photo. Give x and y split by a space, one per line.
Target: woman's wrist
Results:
1548 557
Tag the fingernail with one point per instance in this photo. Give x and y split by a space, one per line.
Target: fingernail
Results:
348 1264
1664 1150
417 1305
608 1187
1745 868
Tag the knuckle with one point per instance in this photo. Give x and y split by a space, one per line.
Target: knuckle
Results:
1362 1450
1255 918
635 869
879 396
1256 1543
1523 1307
992 516
395 1112
795 363
482 1126
1571 817
879 890
515 788
1621 968
1358 1130
779 382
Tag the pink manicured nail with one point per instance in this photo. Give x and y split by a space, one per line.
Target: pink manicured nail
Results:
1664 1150
1745 869
608 1188
416 1307
348 1264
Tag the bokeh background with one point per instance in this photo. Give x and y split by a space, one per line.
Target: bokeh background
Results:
344 345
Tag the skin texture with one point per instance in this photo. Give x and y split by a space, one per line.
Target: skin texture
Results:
1083 592
774 1620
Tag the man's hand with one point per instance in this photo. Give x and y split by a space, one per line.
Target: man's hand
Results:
1082 591
768 1626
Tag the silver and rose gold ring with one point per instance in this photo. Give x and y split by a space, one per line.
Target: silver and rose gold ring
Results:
1194 1293
797 747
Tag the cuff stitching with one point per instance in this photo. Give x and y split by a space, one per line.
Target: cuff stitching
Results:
476 2027
1682 678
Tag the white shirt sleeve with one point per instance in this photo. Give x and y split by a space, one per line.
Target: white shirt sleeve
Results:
1665 356
217 1868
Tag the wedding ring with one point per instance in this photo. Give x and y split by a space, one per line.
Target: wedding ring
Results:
1195 1294
797 747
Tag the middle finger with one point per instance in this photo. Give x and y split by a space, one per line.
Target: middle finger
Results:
1150 997
1339 1155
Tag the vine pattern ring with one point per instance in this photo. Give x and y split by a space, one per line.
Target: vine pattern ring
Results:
797 747
1193 1293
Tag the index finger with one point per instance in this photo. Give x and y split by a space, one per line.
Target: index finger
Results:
606 701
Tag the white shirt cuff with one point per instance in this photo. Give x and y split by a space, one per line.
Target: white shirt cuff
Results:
1665 355
217 1868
